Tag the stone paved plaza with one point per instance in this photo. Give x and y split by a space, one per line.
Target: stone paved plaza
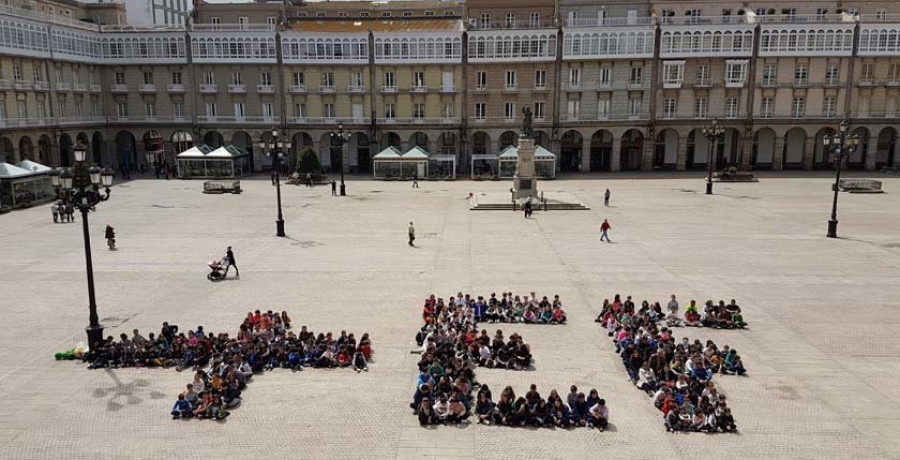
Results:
822 348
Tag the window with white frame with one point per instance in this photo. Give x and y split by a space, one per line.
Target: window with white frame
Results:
356 79
765 107
534 18
385 14
735 72
481 79
389 81
868 73
637 75
770 75
239 110
178 109
798 108
418 110
480 110
271 21
265 78
881 14
893 75
673 73
150 109
634 106
122 109
209 78
119 78
243 21
485 20
833 74
236 78
418 79
407 14
702 75
603 108
215 20
540 78
701 107
605 76
801 75
268 110
510 19
211 109
299 80
328 110
447 110
509 110
22 109
148 78
669 107
510 79
539 110
573 110
829 107
864 104
731 107
38 72
574 77
300 110
328 79
364 14
177 78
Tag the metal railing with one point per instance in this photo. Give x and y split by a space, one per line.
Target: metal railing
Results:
232 27
543 23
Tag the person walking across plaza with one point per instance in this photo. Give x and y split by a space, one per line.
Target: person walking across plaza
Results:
110 237
606 196
527 207
70 212
415 180
412 234
333 188
229 254
273 177
54 209
604 229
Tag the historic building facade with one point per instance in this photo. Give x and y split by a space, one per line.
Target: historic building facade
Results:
612 85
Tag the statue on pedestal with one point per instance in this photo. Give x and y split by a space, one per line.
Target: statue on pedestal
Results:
527 131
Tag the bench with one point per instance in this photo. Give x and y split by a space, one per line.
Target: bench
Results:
222 186
735 176
860 186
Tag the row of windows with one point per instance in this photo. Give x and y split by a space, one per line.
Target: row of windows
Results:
707 42
879 40
23 36
233 48
418 49
76 44
160 48
311 49
799 41
608 44
533 46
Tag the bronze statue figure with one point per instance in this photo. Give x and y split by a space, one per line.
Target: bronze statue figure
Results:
527 131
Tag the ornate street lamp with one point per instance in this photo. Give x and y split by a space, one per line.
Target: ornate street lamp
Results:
342 137
712 133
841 146
80 187
274 150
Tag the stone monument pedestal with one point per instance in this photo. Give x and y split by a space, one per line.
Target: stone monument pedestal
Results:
525 182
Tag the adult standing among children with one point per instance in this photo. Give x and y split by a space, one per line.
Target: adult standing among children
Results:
70 212
54 209
412 234
604 229
110 237
229 254
606 196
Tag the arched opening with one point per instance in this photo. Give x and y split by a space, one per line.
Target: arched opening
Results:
665 155
481 143
65 150
821 157
570 151
45 146
97 147
763 148
26 148
181 141
887 147
508 138
335 153
632 147
447 143
601 150
728 150
7 154
419 139
794 146
857 159
391 139
359 143
153 148
213 139
126 151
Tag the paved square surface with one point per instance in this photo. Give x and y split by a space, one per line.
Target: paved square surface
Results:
822 349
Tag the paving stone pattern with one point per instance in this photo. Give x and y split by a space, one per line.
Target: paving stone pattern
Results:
823 346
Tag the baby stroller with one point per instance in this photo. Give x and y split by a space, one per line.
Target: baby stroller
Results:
216 270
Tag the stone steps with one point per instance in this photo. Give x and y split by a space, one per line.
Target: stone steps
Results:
550 207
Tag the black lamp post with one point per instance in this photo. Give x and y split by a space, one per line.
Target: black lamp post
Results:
712 133
274 151
841 146
81 187
342 137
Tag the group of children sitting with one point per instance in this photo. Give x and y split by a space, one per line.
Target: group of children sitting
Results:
509 308
719 316
452 348
223 365
677 375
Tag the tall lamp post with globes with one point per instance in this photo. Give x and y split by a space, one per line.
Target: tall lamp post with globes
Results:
712 133
80 186
841 146
274 150
342 137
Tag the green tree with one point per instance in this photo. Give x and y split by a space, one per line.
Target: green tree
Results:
309 162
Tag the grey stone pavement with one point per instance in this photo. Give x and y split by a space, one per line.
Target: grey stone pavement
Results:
822 348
